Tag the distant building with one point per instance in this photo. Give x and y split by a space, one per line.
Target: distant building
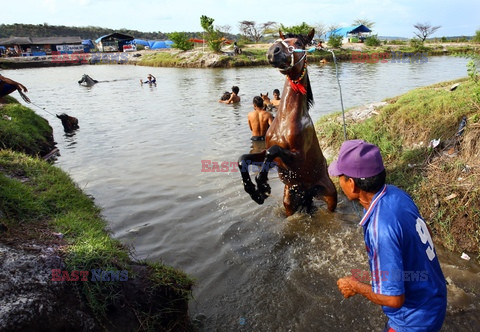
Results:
352 34
38 46
114 42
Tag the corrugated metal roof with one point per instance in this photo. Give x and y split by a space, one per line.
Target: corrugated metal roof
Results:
115 35
40 40
16 41
345 31
56 40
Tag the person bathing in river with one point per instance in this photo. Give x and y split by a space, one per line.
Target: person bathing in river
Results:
405 274
276 98
259 120
234 97
150 80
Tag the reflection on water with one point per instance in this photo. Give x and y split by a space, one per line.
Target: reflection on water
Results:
139 150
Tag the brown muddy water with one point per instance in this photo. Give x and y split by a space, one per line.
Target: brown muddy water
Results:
139 152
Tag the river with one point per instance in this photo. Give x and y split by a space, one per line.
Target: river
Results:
138 152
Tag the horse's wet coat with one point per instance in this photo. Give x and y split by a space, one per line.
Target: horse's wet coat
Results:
291 140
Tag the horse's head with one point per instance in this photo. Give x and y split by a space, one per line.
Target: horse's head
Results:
266 99
87 80
83 79
288 53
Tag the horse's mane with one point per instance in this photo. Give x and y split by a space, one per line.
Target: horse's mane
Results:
309 94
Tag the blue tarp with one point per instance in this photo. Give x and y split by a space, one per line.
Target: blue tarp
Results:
154 44
345 31
87 45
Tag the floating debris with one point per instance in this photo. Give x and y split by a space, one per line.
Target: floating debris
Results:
434 143
449 197
453 87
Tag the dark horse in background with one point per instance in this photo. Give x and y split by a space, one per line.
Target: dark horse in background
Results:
87 81
291 140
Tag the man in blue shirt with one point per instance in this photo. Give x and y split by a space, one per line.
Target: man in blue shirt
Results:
406 278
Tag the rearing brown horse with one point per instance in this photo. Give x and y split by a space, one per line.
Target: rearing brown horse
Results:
291 140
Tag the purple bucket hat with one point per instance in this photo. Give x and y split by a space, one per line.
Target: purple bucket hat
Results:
357 159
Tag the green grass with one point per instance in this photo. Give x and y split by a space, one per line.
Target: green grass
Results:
403 129
159 59
25 131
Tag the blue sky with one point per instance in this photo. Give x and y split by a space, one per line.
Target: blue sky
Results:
391 17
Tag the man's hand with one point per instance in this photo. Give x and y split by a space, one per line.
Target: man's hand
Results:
21 87
346 286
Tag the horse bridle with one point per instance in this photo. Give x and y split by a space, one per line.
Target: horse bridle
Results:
292 50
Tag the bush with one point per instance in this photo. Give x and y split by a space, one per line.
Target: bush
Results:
476 38
372 41
335 41
180 41
417 45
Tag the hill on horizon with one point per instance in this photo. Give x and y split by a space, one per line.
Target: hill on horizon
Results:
89 32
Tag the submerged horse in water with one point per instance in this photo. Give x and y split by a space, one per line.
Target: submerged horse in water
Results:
87 80
291 141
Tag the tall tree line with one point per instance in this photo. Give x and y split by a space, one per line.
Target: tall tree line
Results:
89 32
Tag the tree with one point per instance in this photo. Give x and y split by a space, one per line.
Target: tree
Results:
476 38
369 24
424 30
180 40
320 29
302 29
254 32
214 36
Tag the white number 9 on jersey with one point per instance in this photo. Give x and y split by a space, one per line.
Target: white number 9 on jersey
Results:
425 237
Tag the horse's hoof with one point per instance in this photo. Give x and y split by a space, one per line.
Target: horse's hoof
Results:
258 198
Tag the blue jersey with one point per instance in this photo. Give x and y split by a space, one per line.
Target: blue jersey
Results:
403 261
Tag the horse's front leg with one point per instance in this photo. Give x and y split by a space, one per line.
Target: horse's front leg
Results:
243 163
272 152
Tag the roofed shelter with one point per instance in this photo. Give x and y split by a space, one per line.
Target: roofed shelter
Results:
17 46
113 42
349 33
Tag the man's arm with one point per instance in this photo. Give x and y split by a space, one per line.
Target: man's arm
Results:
350 286
229 101
19 86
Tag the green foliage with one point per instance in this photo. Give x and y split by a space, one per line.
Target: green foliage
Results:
214 36
90 32
206 23
473 74
335 41
26 131
417 45
472 71
181 41
372 41
302 29
476 38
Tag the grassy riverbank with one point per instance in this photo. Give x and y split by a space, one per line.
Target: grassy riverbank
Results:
444 181
255 55
39 203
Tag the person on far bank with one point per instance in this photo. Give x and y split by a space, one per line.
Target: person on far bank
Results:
234 97
405 274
